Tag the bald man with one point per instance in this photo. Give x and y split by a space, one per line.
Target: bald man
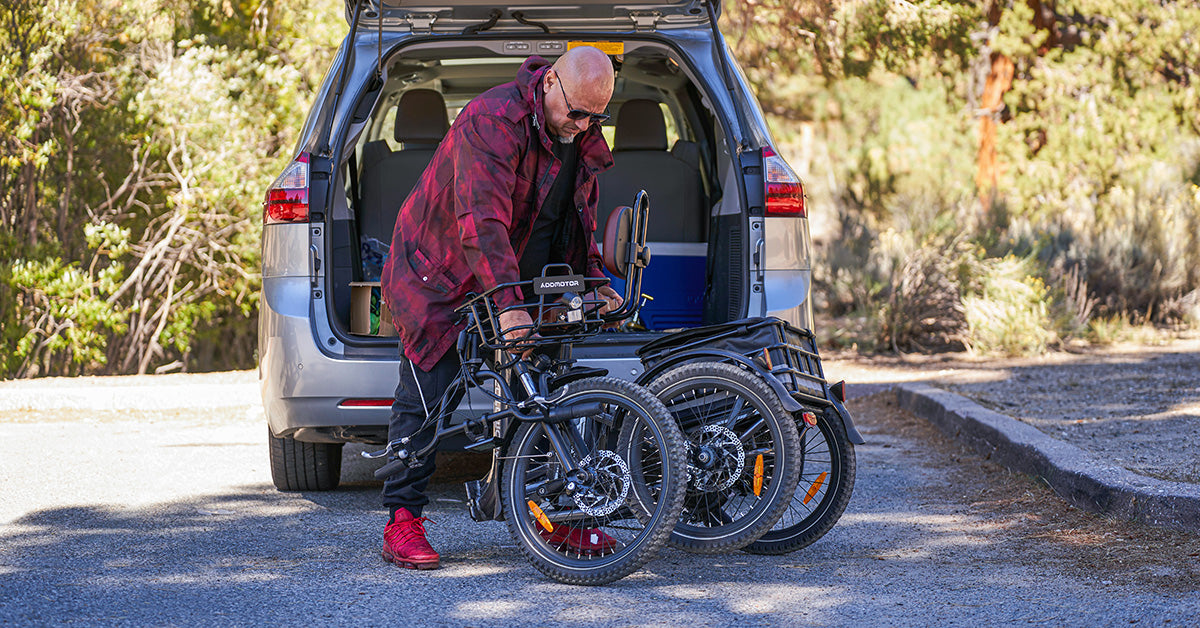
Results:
511 188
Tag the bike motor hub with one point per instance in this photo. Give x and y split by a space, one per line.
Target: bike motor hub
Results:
716 458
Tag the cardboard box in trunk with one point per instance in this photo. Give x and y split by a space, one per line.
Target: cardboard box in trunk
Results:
368 315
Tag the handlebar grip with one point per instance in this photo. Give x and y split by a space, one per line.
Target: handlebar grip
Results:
574 412
390 469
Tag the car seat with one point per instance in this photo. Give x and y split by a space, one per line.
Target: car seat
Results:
389 176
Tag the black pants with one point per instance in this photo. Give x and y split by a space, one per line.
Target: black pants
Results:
407 488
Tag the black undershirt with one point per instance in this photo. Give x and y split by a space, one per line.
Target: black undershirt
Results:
548 240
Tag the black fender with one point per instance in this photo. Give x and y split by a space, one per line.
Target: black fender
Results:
720 355
839 408
574 374
832 399
483 495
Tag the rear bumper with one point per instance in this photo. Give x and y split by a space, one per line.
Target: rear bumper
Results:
304 389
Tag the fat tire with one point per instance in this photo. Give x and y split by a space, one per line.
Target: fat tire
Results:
810 528
768 508
300 466
658 528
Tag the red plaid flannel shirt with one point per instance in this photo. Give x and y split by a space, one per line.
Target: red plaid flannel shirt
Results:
466 223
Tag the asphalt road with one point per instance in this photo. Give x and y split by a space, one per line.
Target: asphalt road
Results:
168 517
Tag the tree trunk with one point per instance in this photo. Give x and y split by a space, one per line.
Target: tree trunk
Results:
28 208
64 205
999 81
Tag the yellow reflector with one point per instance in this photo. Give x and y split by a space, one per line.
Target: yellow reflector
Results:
758 473
607 47
540 516
812 490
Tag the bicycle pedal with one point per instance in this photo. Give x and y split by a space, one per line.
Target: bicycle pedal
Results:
486 444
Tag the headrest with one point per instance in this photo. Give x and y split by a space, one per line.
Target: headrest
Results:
640 126
421 117
375 152
687 152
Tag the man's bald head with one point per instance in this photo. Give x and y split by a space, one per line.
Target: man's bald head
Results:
588 70
582 79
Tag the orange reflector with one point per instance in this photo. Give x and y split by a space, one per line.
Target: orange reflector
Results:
540 516
812 490
810 419
758 473
767 359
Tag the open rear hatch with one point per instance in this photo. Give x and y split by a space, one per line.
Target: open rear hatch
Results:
474 16
694 221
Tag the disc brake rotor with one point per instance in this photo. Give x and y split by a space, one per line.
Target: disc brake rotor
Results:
729 462
610 484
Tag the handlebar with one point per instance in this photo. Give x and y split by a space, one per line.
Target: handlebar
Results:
567 316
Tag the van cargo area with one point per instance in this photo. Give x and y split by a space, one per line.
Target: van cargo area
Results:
664 139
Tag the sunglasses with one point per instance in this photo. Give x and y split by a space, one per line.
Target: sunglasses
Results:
580 114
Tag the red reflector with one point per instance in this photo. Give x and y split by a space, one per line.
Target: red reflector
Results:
365 403
810 419
784 192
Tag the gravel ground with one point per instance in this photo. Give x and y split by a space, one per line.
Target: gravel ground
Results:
1138 405
167 517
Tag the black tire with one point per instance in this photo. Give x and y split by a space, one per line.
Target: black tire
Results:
819 501
299 466
633 497
732 420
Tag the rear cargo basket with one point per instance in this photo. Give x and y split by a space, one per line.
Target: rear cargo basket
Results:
789 353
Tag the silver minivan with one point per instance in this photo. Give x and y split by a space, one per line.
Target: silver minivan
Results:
728 227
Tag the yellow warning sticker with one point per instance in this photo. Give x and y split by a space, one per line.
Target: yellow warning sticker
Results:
607 47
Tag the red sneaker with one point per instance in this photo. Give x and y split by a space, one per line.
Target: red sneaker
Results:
587 541
404 543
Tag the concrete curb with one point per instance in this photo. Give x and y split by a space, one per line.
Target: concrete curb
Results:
1080 477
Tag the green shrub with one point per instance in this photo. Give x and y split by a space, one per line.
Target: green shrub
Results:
925 311
65 309
1098 149
1006 309
158 125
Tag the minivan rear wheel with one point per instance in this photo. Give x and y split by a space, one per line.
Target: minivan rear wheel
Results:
300 466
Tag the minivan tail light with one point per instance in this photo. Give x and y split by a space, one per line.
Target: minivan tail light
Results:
287 198
784 192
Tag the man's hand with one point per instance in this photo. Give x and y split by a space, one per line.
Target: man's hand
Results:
519 325
612 300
